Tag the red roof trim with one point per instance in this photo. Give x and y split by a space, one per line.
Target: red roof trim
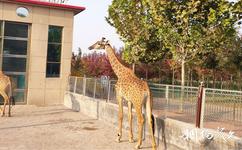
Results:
76 9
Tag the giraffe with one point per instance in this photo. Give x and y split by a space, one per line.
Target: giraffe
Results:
132 89
5 87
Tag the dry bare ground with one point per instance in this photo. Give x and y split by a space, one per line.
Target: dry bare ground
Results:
58 128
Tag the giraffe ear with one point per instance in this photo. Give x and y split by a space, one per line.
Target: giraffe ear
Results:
103 39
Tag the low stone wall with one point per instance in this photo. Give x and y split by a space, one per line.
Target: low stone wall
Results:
170 134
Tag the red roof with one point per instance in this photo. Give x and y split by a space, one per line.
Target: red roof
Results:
76 9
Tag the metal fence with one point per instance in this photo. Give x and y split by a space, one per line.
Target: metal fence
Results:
220 108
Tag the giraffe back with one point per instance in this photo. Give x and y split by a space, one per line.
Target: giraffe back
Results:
132 88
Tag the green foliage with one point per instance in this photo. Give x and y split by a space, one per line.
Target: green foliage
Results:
196 33
132 19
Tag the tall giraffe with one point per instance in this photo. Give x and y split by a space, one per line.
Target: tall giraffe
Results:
5 91
130 88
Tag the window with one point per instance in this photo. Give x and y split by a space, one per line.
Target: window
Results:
14 53
54 52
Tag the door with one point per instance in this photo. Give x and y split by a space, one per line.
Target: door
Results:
14 54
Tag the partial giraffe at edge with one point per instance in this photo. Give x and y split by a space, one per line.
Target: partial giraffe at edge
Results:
6 93
132 89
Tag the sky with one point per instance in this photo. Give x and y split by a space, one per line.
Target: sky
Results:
90 25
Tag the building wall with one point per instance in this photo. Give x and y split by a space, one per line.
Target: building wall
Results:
41 90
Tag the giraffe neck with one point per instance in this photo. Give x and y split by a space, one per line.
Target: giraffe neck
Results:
118 68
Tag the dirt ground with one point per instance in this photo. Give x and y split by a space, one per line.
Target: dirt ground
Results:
59 128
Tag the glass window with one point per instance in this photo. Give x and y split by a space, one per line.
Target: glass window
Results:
1 29
55 34
18 96
14 39
54 51
13 64
53 70
18 81
16 30
15 47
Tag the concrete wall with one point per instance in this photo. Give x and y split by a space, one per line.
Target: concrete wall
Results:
42 90
170 133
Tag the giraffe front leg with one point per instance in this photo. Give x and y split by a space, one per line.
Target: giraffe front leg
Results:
140 126
131 140
120 118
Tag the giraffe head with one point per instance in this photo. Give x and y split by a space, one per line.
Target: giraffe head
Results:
99 44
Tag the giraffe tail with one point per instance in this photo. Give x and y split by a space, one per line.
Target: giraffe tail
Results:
11 97
153 123
149 107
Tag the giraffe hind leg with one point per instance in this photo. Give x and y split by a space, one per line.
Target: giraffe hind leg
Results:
9 106
140 125
6 100
120 118
150 118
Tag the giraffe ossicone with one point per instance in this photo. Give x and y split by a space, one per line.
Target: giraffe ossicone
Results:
132 89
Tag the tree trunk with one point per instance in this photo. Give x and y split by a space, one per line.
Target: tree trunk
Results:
146 73
188 77
221 84
133 67
183 73
231 81
173 75
173 81
191 79
239 74
182 84
213 78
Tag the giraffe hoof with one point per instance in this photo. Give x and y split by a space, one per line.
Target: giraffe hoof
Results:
154 148
131 140
118 140
137 147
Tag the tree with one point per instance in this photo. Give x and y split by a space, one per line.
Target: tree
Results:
76 64
131 20
193 27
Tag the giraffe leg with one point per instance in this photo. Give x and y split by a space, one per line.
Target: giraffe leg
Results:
131 140
6 99
120 118
150 122
9 107
140 126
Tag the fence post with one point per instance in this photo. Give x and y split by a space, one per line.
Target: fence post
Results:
109 88
84 85
167 99
74 90
234 111
95 85
199 105
203 107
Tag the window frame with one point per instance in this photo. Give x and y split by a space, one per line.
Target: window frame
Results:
17 91
47 75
